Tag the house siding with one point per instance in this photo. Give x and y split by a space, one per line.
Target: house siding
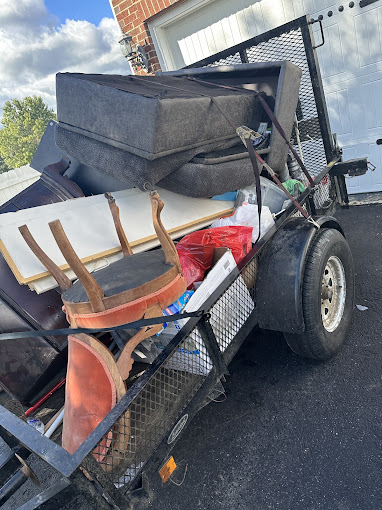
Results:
15 181
133 17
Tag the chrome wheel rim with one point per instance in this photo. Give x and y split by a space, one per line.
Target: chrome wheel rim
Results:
333 293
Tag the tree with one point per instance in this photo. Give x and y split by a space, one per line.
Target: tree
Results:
3 166
24 124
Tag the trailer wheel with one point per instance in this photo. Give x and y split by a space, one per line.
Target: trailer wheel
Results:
327 297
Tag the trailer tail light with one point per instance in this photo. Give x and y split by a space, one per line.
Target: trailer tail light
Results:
167 469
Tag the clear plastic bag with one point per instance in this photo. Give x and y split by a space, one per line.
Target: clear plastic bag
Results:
247 215
271 195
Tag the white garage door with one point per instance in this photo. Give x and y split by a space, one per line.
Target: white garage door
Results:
350 60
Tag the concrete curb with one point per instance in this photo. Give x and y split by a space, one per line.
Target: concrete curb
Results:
366 198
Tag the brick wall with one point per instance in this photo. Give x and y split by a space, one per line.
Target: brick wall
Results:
133 17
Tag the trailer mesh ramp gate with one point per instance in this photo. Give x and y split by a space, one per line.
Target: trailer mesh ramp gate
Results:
139 432
294 44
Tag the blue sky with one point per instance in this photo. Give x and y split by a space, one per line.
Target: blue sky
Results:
40 38
90 10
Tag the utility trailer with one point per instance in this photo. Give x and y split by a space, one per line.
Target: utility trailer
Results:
299 278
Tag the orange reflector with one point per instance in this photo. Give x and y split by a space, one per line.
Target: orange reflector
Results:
167 469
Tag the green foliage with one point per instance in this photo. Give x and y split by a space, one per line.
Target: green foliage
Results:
3 166
24 124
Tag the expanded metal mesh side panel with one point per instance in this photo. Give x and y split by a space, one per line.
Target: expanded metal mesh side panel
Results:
298 214
131 441
290 46
323 194
233 308
129 444
235 58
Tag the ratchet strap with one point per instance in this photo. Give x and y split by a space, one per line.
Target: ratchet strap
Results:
256 171
270 114
253 154
73 331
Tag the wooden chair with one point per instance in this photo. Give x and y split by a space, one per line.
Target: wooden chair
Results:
135 287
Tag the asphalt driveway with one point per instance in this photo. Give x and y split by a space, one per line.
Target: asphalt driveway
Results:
295 434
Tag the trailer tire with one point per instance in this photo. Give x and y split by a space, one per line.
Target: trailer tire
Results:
327 297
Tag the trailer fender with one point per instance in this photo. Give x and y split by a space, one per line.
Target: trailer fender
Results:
280 275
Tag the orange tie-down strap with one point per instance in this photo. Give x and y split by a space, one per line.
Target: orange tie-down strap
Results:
132 311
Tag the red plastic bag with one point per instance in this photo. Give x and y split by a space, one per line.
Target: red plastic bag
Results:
195 259
196 250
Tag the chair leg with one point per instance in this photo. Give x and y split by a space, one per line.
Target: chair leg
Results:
92 289
163 236
59 275
114 209
125 361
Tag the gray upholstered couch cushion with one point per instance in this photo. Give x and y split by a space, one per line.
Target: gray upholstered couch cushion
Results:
125 166
280 81
151 116
205 180
146 130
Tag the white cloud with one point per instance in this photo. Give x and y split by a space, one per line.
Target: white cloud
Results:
34 48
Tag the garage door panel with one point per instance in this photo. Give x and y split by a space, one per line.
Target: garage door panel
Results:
188 53
228 32
297 9
357 184
292 10
371 181
242 23
183 48
202 43
210 41
219 36
352 183
336 50
367 29
374 24
199 54
339 112
257 14
378 103
250 22
273 13
234 27
375 155
370 101
357 111
332 56
310 6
